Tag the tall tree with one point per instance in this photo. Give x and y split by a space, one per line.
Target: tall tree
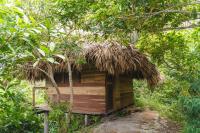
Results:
119 18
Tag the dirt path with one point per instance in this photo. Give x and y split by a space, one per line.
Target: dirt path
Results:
137 122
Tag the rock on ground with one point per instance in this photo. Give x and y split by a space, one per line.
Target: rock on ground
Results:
138 122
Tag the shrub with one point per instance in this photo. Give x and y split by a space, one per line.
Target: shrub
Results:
16 114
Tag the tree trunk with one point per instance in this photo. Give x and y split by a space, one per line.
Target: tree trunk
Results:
70 83
51 77
71 92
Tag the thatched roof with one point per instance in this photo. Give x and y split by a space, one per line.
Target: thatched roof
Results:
112 58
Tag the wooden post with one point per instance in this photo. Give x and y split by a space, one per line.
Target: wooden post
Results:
66 117
86 119
33 91
46 123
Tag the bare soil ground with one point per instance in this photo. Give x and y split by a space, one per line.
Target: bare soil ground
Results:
137 121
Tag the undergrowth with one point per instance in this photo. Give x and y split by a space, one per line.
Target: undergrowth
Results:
165 99
58 122
174 99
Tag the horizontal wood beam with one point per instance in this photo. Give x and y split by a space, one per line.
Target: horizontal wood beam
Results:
79 90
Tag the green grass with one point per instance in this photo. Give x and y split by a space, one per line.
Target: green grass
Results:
164 100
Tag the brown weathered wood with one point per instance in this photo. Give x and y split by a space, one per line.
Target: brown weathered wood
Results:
79 84
116 94
86 110
82 98
86 103
109 92
126 91
93 78
88 81
79 90
90 105
126 99
90 90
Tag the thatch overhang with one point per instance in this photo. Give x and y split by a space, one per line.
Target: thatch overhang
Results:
109 57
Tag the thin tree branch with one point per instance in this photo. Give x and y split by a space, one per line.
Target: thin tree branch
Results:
170 11
184 4
181 28
151 14
51 79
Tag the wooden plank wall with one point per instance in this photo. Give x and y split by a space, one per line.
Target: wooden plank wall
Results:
109 92
89 93
122 91
116 94
126 91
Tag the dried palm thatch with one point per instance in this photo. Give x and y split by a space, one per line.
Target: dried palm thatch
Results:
109 57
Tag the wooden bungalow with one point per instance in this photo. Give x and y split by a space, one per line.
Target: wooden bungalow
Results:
104 83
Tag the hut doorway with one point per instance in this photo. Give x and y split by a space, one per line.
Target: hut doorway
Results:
109 92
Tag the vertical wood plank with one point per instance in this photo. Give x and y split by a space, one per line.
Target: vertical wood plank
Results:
116 93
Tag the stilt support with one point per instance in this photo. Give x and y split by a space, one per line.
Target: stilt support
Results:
46 122
33 95
86 120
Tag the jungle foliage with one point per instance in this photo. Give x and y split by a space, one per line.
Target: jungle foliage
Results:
16 113
36 30
177 54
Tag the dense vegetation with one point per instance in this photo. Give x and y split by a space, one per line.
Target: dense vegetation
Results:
37 30
177 54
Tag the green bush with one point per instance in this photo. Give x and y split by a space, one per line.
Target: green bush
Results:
191 108
165 99
16 114
192 126
58 122
175 99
